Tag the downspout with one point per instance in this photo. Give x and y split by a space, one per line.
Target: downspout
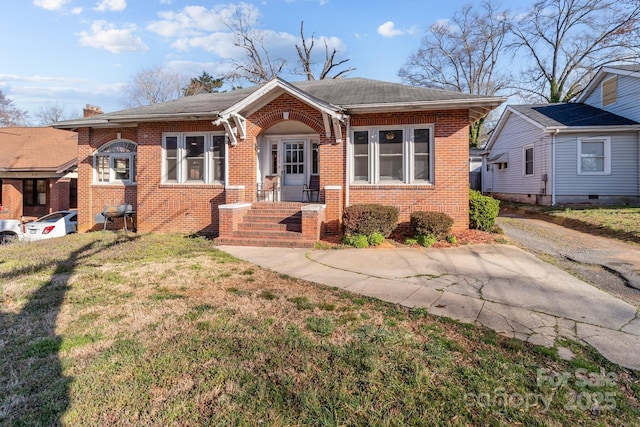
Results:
553 167
347 169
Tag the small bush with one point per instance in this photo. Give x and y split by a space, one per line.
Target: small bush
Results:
411 241
367 219
426 240
356 240
375 239
437 224
452 239
483 211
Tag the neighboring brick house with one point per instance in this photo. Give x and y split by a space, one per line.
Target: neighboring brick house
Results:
37 171
194 164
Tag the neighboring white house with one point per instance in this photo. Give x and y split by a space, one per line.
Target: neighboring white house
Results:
582 152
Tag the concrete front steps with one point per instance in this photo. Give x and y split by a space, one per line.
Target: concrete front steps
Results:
277 224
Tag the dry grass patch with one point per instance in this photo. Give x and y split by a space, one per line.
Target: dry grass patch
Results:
167 330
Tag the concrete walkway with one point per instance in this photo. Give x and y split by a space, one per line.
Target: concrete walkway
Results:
499 286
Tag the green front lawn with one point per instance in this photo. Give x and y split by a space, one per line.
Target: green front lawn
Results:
107 329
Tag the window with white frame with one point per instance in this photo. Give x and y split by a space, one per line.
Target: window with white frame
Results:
193 158
528 160
594 156
115 163
387 155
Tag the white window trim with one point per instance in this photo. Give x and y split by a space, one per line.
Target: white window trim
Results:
408 155
111 156
181 159
524 160
607 155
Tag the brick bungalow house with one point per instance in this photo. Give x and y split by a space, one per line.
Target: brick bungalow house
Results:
37 171
195 164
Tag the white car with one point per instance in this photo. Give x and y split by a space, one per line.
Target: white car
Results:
55 224
10 231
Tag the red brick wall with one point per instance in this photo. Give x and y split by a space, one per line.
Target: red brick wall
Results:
93 198
11 198
450 192
59 192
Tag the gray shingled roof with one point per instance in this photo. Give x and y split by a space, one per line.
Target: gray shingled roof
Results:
571 114
342 93
629 67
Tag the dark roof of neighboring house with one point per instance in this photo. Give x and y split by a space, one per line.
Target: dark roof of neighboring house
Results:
335 94
37 149
570 115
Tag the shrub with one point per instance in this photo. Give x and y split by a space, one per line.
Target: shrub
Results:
367 219
426 240
356 240
452 239
375 239
437 224
483 211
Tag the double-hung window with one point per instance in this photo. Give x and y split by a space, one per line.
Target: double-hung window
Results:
115 163
193 158
594 156
392 155
528 160
35 192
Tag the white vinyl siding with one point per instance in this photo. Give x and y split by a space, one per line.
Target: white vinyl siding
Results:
516 134
626 105
623 176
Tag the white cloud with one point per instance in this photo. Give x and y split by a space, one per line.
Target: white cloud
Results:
4 78
198 20
50 4
104 35
111 5
388 30
76 10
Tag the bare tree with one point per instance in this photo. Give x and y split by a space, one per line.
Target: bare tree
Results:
256 66
567 40
152 85
304 55
10 115
462 55
52 113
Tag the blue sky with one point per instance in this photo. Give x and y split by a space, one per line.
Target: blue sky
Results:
77 52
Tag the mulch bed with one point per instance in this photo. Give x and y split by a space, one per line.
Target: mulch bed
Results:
396 240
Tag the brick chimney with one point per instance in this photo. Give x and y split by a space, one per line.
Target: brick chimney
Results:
91 110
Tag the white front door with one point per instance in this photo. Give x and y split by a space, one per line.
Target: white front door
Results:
293 169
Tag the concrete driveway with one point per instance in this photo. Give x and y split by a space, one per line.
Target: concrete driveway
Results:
619 261
499 286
